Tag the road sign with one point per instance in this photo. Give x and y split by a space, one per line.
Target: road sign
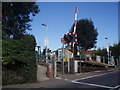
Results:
69 38
65 60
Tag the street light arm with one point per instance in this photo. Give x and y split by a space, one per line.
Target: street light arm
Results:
44 24
106 38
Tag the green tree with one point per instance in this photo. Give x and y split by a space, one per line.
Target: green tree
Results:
115 49
87 33
101 52
16 18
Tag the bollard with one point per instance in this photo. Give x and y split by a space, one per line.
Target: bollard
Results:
49 71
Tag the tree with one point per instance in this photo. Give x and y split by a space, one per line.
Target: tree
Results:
115 50
87 33
16 18
102 52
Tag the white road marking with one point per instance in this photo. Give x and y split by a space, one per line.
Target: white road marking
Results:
90 77
96 85
116 87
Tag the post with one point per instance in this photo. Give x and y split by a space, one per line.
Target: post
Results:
110 59
46 55
119 62
75 24
80 60
55 67
108 51
73 58
63 60
68 61
46 41
38 53
103 59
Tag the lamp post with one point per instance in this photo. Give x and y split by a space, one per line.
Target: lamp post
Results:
39 52
108 51
46 41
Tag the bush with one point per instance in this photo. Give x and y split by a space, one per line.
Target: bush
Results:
19 55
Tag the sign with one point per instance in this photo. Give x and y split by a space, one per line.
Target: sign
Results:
65 60
69 38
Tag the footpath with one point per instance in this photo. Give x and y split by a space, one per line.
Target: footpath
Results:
41 73
61 80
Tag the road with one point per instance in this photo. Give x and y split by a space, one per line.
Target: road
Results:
110 80
97 80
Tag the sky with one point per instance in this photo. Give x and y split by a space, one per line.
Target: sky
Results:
59 16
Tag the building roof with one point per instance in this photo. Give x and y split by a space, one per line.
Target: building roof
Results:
89 52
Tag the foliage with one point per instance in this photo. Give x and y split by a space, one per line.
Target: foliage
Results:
101 52
87 34
18 48
20 55
15 51
115 50
16 18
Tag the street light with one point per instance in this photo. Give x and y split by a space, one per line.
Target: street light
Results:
39 52
46 41
108 50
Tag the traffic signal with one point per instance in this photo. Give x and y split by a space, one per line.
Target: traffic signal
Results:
69 38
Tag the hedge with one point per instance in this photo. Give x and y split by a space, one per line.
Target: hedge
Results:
18 60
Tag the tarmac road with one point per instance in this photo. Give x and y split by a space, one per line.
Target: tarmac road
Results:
97 80
106 81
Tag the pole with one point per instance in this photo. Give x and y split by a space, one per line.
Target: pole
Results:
75 23
80 60
55 67
38 53
63 60
46 41
119 62
46 54
103 59
108 55
107 50
68 61
110 60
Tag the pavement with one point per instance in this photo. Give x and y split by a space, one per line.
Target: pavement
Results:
93 79
41 73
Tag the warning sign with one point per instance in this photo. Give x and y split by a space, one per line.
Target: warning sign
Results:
65 59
